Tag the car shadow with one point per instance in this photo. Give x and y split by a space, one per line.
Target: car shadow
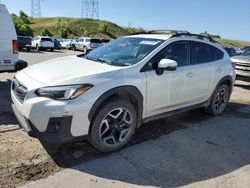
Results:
6 115
162 161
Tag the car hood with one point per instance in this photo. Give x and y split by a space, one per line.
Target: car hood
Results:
69 70
241 59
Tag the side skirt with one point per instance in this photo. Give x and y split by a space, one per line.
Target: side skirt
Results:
174 112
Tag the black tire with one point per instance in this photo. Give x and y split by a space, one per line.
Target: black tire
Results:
74 47
219 100
85 50
52 49
37 48
109 133
28 49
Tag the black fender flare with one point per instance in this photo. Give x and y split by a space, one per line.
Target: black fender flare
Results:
128 89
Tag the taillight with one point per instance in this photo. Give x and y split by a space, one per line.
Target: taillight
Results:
15 46
233 65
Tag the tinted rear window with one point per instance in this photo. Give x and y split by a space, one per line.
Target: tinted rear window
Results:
46 39
217 54
95 40
202 53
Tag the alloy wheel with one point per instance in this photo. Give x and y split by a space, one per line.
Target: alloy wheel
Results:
115 126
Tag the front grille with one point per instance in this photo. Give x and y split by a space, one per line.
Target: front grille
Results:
19 90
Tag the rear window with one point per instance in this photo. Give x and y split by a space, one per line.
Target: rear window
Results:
46 39
202 53
217 54
95 40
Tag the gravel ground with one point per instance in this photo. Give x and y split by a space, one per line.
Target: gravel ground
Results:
24 159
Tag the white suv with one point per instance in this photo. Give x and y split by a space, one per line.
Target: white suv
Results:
110 92
42 43
86 44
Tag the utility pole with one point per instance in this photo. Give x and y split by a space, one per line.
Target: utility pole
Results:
36 8
90 9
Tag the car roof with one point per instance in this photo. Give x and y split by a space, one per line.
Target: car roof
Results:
151 36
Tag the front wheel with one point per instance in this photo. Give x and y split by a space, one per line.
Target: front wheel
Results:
37 48
219 100
113 125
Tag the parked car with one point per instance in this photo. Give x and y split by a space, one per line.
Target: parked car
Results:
242 63
9 60
67 43
105 95
24 42
86 44
57 44
105 41
231 51
246 48
42 43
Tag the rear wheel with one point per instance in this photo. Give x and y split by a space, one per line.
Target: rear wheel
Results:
85 50
51 49
113 125
219 100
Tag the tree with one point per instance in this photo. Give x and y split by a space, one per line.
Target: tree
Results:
24 17
63 32
103 28
46 32
21 24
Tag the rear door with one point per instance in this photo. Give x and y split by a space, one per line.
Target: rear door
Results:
80 43
8 39
199 73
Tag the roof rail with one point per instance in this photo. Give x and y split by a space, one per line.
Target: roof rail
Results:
198 36
161 31
179 33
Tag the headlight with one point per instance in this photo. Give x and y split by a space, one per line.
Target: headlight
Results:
63 92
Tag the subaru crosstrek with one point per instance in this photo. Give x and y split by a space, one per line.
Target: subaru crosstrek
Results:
105 95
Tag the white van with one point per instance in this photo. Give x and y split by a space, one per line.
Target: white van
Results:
8 42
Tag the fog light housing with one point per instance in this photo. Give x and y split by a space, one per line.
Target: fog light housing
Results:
54 125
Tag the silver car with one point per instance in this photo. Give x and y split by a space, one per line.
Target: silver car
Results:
86 44
242 64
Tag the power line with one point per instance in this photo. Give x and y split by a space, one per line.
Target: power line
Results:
36 8
90 9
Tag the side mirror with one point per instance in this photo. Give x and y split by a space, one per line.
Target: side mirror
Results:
167 64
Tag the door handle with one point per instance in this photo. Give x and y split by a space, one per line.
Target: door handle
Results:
219 70
190 74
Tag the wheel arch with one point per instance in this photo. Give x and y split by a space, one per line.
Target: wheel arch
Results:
129 93
227 80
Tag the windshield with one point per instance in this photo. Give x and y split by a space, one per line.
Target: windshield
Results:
124 51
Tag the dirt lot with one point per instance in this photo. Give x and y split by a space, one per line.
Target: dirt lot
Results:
24 159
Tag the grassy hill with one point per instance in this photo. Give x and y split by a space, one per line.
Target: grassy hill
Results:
77 27
80 27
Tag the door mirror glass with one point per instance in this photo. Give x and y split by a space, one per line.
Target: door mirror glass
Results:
167 64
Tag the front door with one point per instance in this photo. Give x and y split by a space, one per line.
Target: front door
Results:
166 91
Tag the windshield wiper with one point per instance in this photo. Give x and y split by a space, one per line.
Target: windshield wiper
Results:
104 60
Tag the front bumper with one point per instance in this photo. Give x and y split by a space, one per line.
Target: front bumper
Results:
50 120
61 135
245 73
